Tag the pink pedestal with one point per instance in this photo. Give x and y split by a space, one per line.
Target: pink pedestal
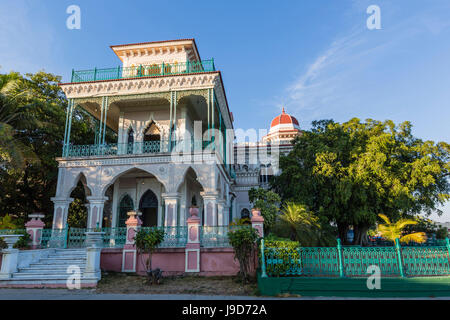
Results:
34 229
129 253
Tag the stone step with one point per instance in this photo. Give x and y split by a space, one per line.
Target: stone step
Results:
37 269
52 283
81 256
41 276
62 261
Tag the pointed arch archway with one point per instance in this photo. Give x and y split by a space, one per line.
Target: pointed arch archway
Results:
125 205
148 205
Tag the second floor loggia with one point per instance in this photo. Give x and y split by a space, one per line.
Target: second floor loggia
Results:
150 124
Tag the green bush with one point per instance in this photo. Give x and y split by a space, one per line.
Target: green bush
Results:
23 241
243 242
146 242
285 250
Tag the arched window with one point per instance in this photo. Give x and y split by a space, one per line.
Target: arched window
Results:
126 204
152 138
148 205
130 141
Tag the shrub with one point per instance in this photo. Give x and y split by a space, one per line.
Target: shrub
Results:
23 241
286 250
146 242
243 242
441 233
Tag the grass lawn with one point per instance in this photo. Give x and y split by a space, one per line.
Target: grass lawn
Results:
131 283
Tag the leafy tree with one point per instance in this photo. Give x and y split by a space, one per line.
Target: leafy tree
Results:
32 121
6 222
348 173
147 240
300 221
267 201
394 230
243 243
442 233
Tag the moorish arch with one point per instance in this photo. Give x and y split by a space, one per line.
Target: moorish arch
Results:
148 206
158 172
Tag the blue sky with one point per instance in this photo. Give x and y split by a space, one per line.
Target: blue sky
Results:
316 58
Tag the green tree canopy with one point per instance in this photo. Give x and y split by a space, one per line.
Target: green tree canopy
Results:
351 172
268 202
32 120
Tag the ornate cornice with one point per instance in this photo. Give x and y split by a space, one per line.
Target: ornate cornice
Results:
140 85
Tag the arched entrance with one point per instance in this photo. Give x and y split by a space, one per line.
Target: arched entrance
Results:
125 205
148 205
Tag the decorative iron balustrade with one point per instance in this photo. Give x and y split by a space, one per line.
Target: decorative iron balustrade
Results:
143 71
173 236
12 231
353 261
216 236
144 147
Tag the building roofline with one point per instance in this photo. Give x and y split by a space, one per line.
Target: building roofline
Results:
156 42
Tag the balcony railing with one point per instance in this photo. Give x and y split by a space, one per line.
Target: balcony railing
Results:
144 147
143 71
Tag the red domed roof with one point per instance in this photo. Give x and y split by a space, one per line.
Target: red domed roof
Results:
283 118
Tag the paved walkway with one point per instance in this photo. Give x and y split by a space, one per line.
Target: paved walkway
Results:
90 294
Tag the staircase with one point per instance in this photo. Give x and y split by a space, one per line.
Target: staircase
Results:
51 270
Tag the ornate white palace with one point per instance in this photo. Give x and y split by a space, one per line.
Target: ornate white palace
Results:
175 141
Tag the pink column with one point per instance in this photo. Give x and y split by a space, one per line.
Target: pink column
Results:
129 249
192 251
34 229
258 221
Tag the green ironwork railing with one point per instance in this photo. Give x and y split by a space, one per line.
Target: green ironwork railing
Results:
144 147
143 71
173 236
216 236
54 238
12 231
353 261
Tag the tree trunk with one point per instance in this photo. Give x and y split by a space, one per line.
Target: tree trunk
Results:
360 235
342 232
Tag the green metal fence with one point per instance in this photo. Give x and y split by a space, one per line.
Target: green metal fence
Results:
173 236
341 261
54 238
143 71
216 236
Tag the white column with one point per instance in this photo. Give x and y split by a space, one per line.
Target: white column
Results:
115 204
221 212
171 201
210 208
95 212
60 212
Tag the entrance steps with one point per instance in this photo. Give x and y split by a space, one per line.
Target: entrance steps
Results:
51 270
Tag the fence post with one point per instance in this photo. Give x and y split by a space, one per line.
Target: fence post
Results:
257 221
34 229
341 264
263 261
192 250
129 252
447 243
399 255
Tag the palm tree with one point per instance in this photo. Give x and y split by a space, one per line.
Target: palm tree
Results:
14 114
303 224
393 230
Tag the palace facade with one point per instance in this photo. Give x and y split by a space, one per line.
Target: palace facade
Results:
175 142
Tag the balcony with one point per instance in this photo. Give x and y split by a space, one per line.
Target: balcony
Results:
140 71
145 147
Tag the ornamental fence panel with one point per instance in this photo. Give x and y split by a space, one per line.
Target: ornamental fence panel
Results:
174 237
353 261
